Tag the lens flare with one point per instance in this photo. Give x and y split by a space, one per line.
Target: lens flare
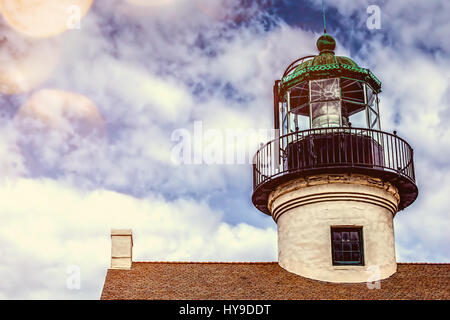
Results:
66 112
44 18
213 9
25 62
150 3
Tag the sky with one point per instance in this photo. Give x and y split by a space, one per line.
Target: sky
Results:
91 109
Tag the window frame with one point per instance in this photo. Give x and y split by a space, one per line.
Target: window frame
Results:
361 245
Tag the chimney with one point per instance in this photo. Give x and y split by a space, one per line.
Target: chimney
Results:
121 248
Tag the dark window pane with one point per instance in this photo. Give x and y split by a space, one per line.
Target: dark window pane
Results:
355 246
338 256
337 235
347 247
347 256
338 247
345 236
354 235
355 256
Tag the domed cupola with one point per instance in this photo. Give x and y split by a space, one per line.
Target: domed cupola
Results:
326 45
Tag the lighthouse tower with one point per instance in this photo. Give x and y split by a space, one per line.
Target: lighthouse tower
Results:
331 179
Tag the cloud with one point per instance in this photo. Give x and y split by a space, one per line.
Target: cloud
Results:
12 163
19 72
48 226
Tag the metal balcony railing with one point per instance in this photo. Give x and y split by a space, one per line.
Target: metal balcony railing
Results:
327 150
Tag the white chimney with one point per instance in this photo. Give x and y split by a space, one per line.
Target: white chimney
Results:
121 248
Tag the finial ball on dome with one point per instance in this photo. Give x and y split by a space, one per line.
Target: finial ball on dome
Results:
326 43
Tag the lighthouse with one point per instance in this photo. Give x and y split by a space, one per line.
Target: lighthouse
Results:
331 179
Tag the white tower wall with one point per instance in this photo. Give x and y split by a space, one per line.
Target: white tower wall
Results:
306 209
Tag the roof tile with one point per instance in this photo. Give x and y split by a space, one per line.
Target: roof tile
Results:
265 280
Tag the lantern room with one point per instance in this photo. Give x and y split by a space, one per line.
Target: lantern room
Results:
327 119
326 91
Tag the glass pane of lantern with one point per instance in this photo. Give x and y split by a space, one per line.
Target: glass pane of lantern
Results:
344 115
299 96
352 90
326 114
334 113
370 96
319 109
358 119
302 122
291 123
373 119
325 90
284 126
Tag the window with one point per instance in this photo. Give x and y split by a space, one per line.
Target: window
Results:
347 246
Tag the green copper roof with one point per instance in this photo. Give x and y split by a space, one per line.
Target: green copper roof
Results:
327 64
326 58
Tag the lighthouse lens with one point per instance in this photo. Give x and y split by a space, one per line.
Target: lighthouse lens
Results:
326 114
326 108
325 90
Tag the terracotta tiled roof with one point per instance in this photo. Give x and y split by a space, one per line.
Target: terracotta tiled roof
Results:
265 281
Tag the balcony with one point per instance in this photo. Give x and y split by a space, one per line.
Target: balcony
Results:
334 150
